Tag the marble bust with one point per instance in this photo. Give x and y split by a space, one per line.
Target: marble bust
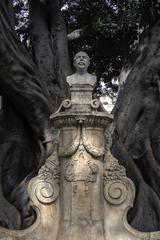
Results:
81 77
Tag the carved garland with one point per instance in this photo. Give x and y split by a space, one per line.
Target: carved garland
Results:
94 151
67 151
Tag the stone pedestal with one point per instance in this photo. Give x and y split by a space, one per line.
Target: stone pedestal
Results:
81 192
81 153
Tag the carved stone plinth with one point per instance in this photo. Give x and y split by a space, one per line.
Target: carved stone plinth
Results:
81 192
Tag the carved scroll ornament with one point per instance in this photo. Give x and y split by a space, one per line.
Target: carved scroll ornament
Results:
119 193
81 192
70 149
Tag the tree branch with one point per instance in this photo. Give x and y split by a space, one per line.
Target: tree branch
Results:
62 65
75 34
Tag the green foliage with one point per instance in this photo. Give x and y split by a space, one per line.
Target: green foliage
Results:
22 19
111 30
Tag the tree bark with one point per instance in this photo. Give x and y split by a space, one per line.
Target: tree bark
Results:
42 44
137 132
25 120
50 48
62 67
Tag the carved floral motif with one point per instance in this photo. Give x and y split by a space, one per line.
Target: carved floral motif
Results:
112 170
49 171
115 187
82 163
80 159
45 187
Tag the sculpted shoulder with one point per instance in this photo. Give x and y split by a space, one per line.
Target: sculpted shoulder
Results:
87 78
71 79
92 79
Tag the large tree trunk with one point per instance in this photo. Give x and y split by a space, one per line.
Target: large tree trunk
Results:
25 120
41 43
31 91
136 141
50 47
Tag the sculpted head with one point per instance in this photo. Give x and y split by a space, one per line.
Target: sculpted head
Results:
81 61
81 76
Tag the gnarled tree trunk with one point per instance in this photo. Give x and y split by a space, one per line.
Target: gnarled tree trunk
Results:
50 47
137 133
30 90
33 88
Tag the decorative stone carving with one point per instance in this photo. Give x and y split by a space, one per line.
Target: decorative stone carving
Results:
112 170
115 185
81 192
72 173
46 185
44 196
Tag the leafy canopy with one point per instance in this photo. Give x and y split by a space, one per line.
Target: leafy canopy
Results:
111 30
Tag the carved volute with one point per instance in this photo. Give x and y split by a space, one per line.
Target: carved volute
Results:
81 192
82 122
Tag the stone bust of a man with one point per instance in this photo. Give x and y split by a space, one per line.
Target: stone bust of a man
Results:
81 76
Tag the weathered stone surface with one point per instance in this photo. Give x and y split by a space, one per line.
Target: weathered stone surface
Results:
81 192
